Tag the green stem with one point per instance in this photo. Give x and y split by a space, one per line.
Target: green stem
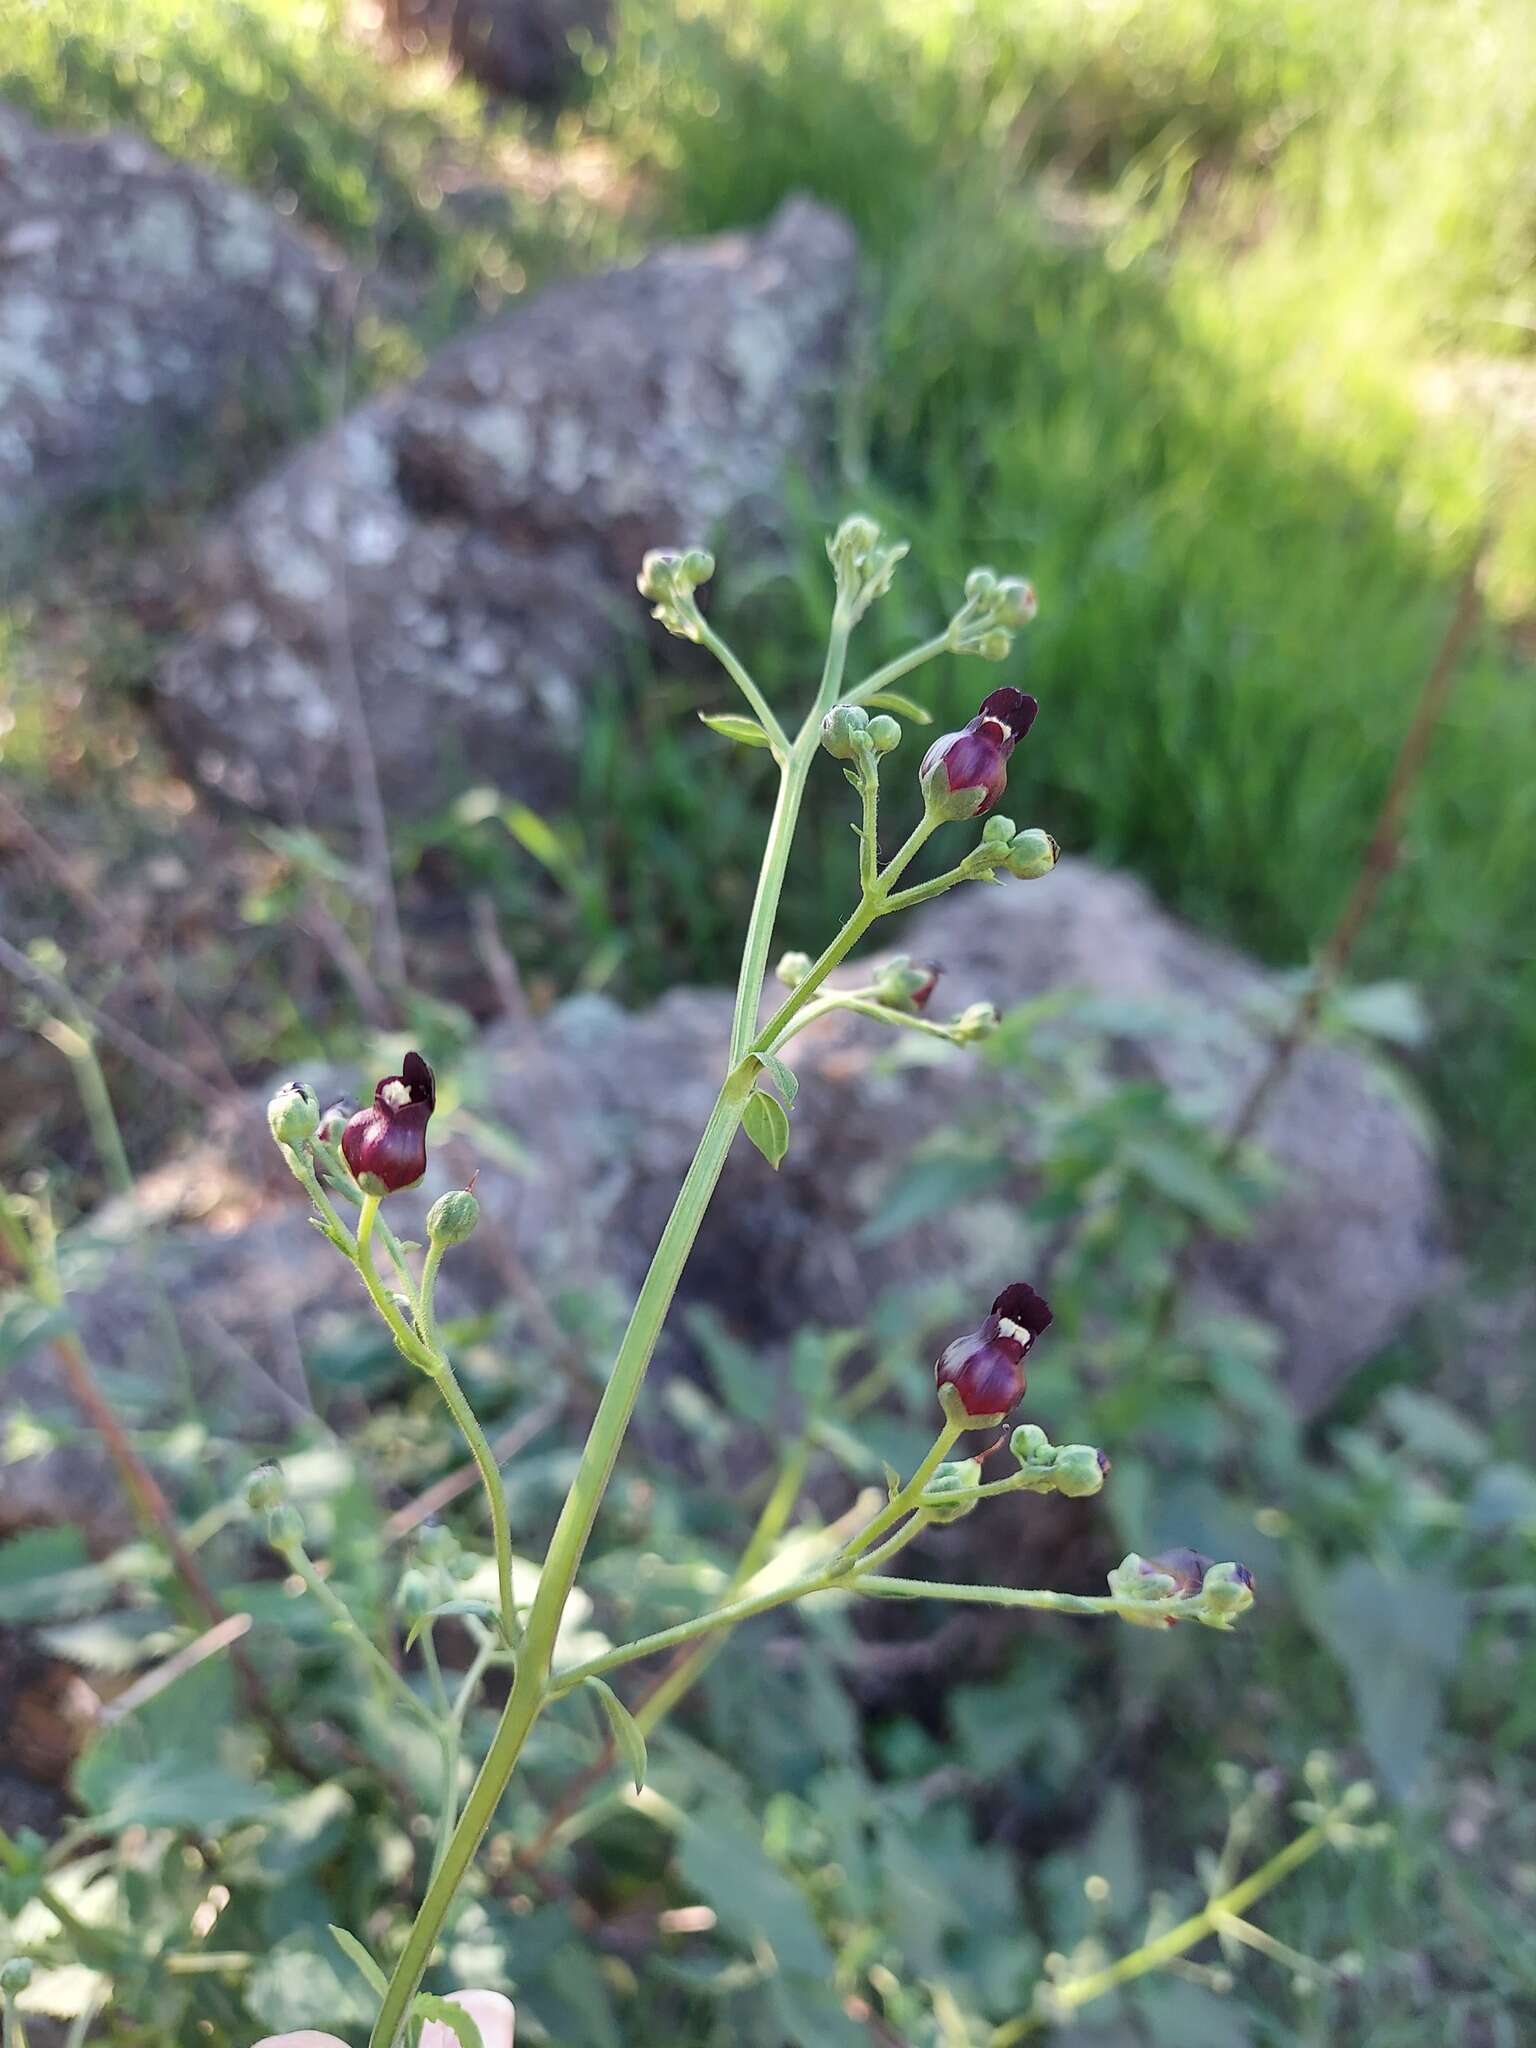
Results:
425 1350
765 904
1152 1955
869 837
1019 1596
567 1545
863 1006
903 665
905 1500
740 676
302 1566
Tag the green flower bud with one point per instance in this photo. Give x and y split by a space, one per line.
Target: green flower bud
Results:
1079 1471
15 1975
957 1482
452 1217
669 580
293 1114
1227 1592
999 831
1032 854
793 968
975 1024
413 1595
438 1545
1135 1579
863 562
901 984
980 586
265 1489
1016 602
1030 1445
285 1527
884 733
842 730
994 646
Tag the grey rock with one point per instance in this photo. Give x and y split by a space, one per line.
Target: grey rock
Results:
459 556
137 297
607 1106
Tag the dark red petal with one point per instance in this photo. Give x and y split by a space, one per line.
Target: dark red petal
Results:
1014 708
391 1147
417 1076
985 1374
977 761
1021 1305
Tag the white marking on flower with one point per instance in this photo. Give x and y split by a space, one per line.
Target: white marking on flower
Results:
394 1095
1006 1327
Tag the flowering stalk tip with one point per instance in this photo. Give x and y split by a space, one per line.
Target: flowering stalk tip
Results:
386 1145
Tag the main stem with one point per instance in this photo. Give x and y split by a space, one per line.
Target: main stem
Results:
563 1558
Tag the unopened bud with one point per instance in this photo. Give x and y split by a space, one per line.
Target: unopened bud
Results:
905 985
842 730
265 1489
884 733
1079 1470
1227 1592
1016 601
974 1024
669 580
980 585
863 561
335 1120
1032 854
957 1483
452 1217
293 1114
438 1545
413 1595
793 968
994 646
15 1975
285 1527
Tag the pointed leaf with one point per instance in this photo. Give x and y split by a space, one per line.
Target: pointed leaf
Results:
783 1078
354 1951
734 725
626 1730
766 1123
903 707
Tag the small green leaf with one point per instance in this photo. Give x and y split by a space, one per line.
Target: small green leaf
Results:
766 1123
734 725
783 1078
354 1951
486 1609
458 2022
904 707
626 1730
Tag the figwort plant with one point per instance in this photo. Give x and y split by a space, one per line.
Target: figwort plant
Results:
979 1378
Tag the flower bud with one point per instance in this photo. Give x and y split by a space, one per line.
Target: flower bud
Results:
334 1120
669 580
904 985
437 1545
1016 601
293 1114
843 729
265 1489
413 1595
1227 1591
964 773
1153 1581
1032 854
386 1146
980 586
975 1023
985 1368
863 562
1079 1471
793 968
999 831
285 1527
452 1217
957 1482
884 733
15 1975
994 646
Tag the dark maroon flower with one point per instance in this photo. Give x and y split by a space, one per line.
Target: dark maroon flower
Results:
386 1146
986 1367
976 758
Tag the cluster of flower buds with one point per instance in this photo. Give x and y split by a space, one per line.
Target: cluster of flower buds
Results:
849 733
994 609
863 561
905 985
964 773
669 580
984 1370
1028 854
266 1493
1221 1592
953 1491
1077 1470
386 1145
